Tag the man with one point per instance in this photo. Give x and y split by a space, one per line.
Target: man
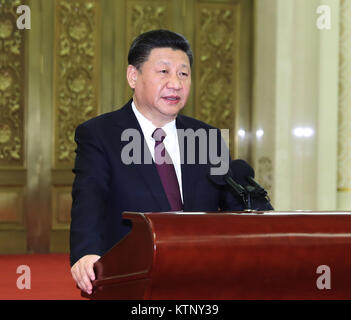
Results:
107 183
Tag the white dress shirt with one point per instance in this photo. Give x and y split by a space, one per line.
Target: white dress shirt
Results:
171 141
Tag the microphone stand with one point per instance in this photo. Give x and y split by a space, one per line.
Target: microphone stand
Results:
249 191
244 193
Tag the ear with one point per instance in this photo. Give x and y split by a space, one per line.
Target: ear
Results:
132 76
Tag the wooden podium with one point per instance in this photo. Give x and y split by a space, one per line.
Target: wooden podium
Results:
262 255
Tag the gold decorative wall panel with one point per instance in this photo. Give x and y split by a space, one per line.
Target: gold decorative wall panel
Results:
217 58
61 217
11 204
143 16
61 207
76 75
11 87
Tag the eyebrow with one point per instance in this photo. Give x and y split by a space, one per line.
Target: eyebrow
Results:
168 63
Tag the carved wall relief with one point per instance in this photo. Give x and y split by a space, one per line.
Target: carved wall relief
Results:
76 73
11 87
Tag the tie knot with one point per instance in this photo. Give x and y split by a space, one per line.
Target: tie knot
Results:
159 135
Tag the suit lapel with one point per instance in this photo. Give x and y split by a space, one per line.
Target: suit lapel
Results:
126 119
187 172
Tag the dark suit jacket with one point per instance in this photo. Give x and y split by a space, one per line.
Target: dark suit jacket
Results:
104 187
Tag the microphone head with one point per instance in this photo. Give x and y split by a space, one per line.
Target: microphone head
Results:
241 170
218 180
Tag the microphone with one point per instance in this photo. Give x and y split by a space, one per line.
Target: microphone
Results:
225 180
244 174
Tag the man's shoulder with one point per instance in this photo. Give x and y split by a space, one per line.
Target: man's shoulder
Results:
105 119
191 123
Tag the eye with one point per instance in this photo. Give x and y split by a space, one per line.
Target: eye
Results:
183 74
163 71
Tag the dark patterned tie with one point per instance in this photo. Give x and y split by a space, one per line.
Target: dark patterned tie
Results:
166 171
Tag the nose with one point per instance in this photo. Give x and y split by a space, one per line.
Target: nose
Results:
174 82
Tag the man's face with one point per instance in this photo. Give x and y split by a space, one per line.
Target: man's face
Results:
162 85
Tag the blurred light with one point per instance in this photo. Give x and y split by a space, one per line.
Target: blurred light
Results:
303 132
298 132
259 133
241 133
309 132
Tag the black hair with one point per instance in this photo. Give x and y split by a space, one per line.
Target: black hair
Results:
142 45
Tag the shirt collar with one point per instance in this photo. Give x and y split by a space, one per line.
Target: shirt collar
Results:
148 127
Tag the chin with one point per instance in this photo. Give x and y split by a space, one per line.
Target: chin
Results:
171 111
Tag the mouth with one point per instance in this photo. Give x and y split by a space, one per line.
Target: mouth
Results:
171 99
